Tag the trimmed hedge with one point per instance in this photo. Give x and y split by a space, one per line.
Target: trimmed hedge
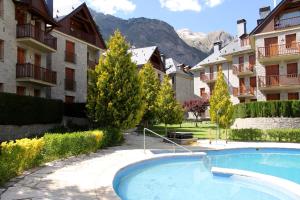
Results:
26 110
75 110
273 135
23 154
289 109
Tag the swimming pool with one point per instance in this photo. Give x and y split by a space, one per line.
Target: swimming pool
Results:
190 177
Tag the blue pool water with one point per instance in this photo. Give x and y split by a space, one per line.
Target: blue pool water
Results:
190 178
283 163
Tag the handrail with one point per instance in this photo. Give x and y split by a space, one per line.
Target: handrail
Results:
146 129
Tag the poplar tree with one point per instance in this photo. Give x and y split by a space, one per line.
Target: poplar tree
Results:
169 111
221 108
114 88
150 85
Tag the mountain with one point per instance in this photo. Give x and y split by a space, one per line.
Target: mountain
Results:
141 32
204 42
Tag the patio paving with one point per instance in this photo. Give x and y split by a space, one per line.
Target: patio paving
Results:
91 176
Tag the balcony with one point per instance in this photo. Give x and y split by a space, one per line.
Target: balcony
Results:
92 64
34 74
70 57
89 38
279 82
286 23
279 52
242 70
36 38
210 78
70 85
245 92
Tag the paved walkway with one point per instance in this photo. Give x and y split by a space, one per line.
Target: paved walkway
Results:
83 177
91 176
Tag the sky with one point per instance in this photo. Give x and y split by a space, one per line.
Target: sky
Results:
196 15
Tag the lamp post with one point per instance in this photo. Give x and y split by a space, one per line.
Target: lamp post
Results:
218 125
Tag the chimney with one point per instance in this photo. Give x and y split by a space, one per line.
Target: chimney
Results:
50 6
264 12
217 46
241 27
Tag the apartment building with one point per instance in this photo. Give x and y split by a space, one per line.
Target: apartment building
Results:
182 80
79 46
46 57
141 56
276 39
259 66
25 43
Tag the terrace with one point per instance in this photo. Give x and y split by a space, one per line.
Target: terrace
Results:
210 78
275 82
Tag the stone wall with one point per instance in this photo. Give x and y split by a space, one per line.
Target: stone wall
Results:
266 123
12 132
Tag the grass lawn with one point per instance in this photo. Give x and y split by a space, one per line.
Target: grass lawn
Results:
205 130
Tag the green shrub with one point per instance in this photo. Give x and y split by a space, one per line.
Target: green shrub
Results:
246 135
59 146
112 137
18 156
267 109
24 110
284 135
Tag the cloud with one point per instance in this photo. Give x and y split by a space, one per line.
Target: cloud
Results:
105 6
181 5
213 3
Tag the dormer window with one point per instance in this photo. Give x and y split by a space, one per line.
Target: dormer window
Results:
288 19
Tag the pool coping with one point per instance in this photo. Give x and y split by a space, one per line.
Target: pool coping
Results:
286 185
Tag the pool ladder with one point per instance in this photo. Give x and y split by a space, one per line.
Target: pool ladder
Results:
167 139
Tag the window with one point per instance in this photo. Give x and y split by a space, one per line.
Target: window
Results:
293 96
273 97
37 92
69 99
1 49
290 41
70 79
21 90
292 70
251 62
1 87
70 52
241 63
202 92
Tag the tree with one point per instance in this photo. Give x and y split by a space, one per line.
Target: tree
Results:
114 88
197 107
150 85
169 111
221 108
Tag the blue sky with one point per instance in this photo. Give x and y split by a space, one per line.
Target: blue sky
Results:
196 15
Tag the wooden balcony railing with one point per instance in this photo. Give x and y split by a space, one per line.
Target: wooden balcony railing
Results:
279 50
30 31
90 38
244 91
70 85
279 80
242 68
285 23
208 78
70 57
92 64
28 70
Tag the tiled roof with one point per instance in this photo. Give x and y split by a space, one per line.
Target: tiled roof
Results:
212 59
173 67
234 46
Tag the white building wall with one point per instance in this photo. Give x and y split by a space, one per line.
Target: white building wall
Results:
8 35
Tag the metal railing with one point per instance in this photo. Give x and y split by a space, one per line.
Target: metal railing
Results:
174 143
242 68
208 77
285 23
279 50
